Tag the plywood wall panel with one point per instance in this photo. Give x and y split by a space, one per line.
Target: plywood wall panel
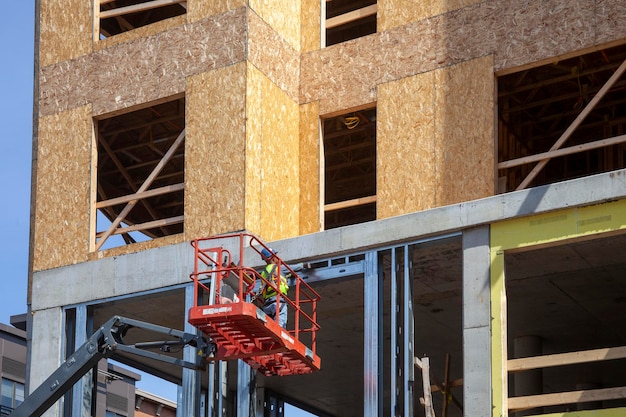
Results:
515 33
273 55
282 16
144 69
533 31
405 146
310 205
346 75
254 148
610 16
197 10
62 189
311 32
464 136
394 13
215 152
278 165
66 30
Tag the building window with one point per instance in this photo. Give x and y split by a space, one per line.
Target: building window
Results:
12 395
350 169
140 175
118 16
113 414
562 120
349 19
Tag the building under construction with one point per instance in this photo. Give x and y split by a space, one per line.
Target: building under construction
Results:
453 170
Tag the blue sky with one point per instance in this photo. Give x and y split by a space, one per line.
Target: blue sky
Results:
16 115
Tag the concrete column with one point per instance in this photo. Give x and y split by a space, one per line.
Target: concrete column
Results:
244 391
477 383
527 382
46 349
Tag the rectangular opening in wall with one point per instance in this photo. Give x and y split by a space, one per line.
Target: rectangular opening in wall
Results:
118 16
140 175
564 303
349 19
562 120
350 168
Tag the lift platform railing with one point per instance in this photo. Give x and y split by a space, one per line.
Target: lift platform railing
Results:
215 265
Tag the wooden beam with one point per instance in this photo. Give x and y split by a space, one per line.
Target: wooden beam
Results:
427 399
147 225
562 152
138 196
568 132
562 398
569 358
351 16
350 203
137 8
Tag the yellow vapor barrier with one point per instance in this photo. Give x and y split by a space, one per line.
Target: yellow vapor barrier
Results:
535 231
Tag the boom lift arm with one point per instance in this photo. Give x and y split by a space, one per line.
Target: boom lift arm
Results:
103 344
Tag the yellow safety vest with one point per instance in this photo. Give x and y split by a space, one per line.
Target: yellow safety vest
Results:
269 291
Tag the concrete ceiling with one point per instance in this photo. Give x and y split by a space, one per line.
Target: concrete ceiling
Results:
572 296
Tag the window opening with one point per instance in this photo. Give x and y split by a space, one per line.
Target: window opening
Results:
349 19
563 304
118 16
140 175
350 168
563 120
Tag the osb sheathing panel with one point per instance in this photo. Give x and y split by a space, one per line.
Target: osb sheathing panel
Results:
273 156
62 191
610 17
254 149
141 32
145 69
273 55
405 146
309 169
464 132
432 130
282 16
66 30
215 152
516 33
311 15
197 10
393 13
542 29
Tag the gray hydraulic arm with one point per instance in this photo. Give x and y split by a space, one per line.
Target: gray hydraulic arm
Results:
103 344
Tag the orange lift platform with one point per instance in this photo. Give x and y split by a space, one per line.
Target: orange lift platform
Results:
224 308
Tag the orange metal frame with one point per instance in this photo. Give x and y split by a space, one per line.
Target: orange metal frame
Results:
239 328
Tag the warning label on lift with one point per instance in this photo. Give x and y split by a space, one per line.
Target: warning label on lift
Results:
216 310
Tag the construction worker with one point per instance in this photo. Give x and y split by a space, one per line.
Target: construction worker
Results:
278 278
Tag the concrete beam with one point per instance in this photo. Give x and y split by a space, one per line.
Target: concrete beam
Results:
171 265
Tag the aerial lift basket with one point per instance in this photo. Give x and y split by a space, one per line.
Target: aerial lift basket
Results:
225 312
